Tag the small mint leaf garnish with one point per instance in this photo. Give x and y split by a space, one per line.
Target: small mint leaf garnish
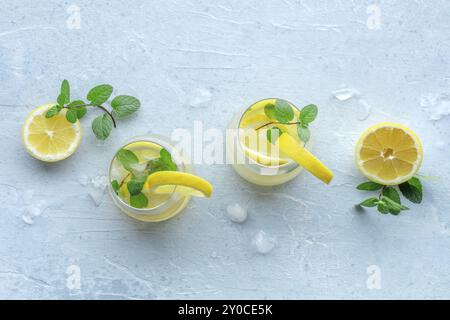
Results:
100 94
124 106
127 158
369 186
139 201
115 185
371 202
102 126
269 110
412 190
273 134
308 114
303 133
283 111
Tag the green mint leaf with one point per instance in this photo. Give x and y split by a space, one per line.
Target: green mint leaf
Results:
283 111
61 100
115 185
392 205
127 158
371 202
273 134
135 185
81 112
412 190
163 163
139 201
71 115
65 91
369 186
383 208
75 103
166 158
269 110
303 133
392 194
102 126
308 114
99 94
53 111
124 106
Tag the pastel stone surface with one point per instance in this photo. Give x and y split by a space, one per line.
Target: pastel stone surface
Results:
196 64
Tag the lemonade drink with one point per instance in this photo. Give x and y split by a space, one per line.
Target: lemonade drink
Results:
146 205
254 157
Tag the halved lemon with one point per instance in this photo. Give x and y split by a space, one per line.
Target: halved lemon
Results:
389 153
180 182
50 139
290 146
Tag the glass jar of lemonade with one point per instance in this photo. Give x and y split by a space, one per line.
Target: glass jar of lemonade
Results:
251 154
266 143
129 170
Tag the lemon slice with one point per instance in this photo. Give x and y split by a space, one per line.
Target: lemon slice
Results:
389 153
290 146
181 182
50 139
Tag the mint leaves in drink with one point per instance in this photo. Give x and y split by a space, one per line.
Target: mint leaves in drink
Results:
389 199
122 106
135 179
282 112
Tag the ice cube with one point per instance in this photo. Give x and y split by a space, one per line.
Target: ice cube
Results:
138 168
96 195
99 182
436 106
237 213
83 180
262 242
27 219
118 173
35 210
345 94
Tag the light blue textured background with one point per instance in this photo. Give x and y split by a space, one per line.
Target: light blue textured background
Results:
166 53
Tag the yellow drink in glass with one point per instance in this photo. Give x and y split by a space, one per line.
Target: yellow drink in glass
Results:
159 206
255 158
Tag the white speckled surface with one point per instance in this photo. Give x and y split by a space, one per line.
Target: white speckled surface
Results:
169 52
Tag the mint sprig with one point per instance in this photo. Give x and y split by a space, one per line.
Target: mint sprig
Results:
122 107
136 180
282 112
389 199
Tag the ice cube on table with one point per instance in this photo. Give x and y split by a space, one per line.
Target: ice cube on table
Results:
97 195
262 242
345 94
36 209
83 180
236 213
100 182
27 219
